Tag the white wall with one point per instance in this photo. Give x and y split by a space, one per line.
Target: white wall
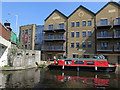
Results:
3 58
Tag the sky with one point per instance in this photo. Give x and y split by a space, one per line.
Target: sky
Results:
37 12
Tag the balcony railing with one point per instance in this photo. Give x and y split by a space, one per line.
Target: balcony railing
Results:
55 38
55 29
108 35
53 48
108 48
116 47
116 35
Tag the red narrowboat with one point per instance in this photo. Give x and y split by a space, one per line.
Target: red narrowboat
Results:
94 64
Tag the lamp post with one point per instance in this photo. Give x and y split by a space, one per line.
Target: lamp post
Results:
16 21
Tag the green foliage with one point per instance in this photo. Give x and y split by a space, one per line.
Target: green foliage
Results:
7 66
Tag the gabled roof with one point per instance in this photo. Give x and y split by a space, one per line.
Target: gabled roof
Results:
108 4
54 12
83 8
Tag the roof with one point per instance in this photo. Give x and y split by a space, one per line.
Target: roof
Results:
83 8
54 12
84 59
108 4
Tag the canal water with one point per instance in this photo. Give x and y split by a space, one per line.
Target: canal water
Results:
44 78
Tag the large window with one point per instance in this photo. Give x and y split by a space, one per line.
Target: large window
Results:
90 63
103 22
78 62
89 33
77 34
83 44
104 33
72 45
61 26
84 23
50 27
72 34
77 24
84 34
104 44
77 45
89 23
118 21
68 62
26 31
72 24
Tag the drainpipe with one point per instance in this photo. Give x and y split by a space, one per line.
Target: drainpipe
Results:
66 38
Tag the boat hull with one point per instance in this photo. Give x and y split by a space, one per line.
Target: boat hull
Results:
82 68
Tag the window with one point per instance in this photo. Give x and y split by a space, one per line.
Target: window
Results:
77 45
50 27
72 45
103 22
72 24
77 24
78 62
84 23
84 34
104 33
86 56
72 34
77 34
61 26
89 44
68 62
89 33
83 44
50 36
90 63
75 55
117 21
89 23
104 44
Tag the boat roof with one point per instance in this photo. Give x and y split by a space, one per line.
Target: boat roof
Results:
84 59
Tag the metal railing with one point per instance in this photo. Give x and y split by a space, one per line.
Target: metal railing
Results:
53 48
54 37
108 35
105 48
116 35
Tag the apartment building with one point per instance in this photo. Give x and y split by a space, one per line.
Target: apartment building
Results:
55 35
27 36
108 32
81 33
39 36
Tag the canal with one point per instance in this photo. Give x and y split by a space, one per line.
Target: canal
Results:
43 78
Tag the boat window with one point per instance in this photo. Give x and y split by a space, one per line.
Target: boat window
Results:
68 62
90 63
79 62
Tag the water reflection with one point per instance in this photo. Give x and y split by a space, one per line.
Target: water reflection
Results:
41 78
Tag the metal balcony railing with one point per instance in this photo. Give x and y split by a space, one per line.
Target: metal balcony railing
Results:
55 37
55 29
116 47
53 48
108 35
105 48
116 35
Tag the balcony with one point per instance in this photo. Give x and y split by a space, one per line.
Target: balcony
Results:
55 29
117 48
117 35
104 36
54 38
53 48
108 48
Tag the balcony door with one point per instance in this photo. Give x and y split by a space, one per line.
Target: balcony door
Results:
104 33
103 22
50 36
104 44
117 33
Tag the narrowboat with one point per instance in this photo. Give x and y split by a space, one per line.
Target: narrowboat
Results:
80 64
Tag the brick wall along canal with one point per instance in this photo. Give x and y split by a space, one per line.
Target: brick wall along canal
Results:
39 78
